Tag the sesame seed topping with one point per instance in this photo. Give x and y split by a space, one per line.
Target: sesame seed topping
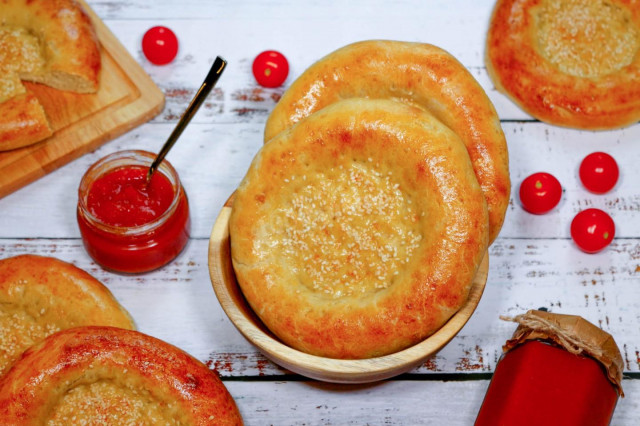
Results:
108 403
25 331
587 38
20 51
348 230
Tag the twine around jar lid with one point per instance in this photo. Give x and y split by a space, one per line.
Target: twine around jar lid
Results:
573 333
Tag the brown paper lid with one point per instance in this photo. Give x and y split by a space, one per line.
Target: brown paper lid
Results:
573 333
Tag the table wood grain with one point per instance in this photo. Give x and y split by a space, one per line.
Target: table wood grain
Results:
533 264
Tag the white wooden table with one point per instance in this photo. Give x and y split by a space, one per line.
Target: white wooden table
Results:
533 263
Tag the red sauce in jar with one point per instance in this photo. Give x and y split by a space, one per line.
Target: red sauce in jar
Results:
129 225
122 197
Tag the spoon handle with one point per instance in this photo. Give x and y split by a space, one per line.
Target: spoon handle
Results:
209 82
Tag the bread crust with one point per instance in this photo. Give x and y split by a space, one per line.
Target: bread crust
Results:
70 44
111 376
23 122
41 295
357 232
60 50
418 74
544 55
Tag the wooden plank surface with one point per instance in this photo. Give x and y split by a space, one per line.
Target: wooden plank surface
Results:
126 97
402 402
533 263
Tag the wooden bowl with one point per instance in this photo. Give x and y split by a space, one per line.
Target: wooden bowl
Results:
325 369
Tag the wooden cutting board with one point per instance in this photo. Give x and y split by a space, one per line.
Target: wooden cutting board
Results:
127 97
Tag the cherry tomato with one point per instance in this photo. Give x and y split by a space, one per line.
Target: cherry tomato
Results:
599 172
540 192
592 230
270 68
160 45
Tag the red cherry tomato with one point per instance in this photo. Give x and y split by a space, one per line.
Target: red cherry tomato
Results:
599 172
160 45
592 230
270 68
540 192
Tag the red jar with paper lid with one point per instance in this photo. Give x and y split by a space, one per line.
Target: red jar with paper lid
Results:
555 370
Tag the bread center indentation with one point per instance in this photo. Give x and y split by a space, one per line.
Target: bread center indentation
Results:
587 38
107 402
348 231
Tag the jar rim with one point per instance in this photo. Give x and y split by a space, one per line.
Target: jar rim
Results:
131 157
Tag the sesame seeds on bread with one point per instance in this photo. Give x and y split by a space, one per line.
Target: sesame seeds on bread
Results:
418 74
357 231
571 63
42 295
51 42
109 375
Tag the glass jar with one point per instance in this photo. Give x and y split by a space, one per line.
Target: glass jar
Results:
136 248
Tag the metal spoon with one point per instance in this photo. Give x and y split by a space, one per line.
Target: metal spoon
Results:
209 82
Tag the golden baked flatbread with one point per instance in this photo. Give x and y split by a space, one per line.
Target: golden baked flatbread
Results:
52 42
22 122
42 295
573 63
357 231
108 375
418 74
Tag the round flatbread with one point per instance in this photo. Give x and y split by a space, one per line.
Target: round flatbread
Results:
48 42
357 232
42 295
572 63
418 74
108 375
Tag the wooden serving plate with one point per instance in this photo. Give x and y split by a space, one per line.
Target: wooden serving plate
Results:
126 98
325 369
